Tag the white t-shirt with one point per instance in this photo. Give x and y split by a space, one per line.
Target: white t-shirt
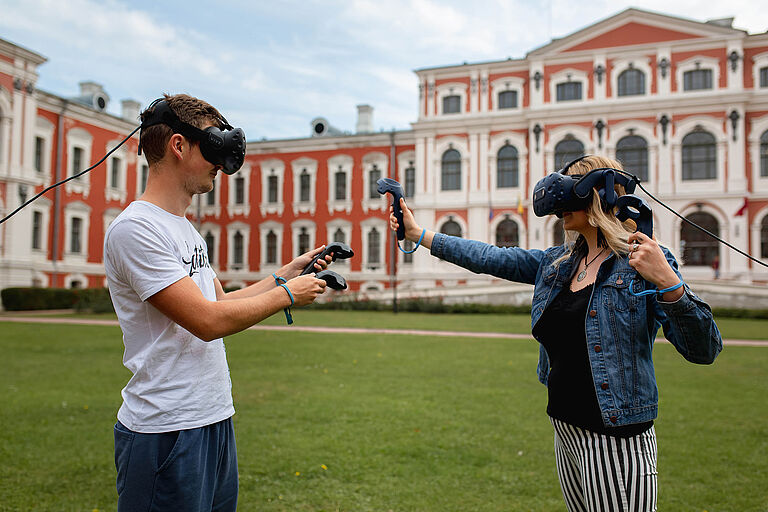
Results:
179 381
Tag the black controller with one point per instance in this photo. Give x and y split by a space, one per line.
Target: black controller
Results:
635 208
339 251
333 280
385 185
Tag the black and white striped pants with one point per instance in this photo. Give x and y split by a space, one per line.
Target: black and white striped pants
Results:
604 473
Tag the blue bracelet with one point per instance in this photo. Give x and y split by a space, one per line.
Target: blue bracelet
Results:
417 244
278 279
651 292
287 311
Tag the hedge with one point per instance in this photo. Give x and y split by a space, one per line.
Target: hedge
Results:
94 300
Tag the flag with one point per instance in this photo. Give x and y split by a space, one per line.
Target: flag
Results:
490 212
743 208
519 204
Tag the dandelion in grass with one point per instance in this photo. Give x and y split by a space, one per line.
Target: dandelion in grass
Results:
325 468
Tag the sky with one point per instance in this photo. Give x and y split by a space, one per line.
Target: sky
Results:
271 67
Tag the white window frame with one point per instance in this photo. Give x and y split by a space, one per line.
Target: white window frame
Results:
698 187
641 129
510 83
759 126
568 75
405 160
441 147
296 227
83 211
109 215
382 227
382 162
43 206
347 165
215 230
77 137
513 216
214 209
140 160
458 219
264 229
118 193
755 236
758 61
44 129
640 64
245 230
346 228
710 63
697 206
6 118
244 208
452 89
581 133
272 167
70 278
507 197
297 167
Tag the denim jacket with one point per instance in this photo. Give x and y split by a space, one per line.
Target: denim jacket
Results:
620 327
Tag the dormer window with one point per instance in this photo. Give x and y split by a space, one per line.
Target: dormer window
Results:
452 104
569 91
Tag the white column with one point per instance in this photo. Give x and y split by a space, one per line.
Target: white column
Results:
600 86
735 77
737 166
663 84
474 92
666 175
537 93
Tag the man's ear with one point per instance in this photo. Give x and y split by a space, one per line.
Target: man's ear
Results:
176 146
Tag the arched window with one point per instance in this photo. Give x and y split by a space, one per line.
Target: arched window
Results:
451 104
341 185
697 79
303 241
237 256
631 82
451 228
566 150
450 172
373 176
764 154
507 234
271 247
338 236
271 189
558 233
764 238
699 248
632 152
209 242
699 156
374 246
507 167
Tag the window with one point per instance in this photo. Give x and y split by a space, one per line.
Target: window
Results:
558 233
272 189
410 180
697 79
271 247
569 91
451 104
373 176
374 246
338 236
631 82
37 230
507 234
699 248
237 256
304 185
340 178
210 197
699 156
77 160
76 231
114 174
507 99
764 238
506 167
303 241
632 152
209 244
144 176
451 228
567 150
763 77
451 170
39 151
764 154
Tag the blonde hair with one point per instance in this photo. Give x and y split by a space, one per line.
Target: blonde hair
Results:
614 232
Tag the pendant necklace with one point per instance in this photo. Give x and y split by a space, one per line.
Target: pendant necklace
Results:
583 273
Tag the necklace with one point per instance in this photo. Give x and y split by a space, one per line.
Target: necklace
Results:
583 273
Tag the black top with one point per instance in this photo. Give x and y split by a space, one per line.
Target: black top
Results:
571 388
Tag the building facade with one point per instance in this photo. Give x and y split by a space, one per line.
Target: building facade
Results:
683 104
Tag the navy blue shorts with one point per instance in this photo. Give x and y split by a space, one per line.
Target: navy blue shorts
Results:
192 470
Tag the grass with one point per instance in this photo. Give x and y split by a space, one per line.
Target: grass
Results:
401 423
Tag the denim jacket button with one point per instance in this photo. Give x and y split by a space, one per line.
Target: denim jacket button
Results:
598 348
593 313
613 419
604 385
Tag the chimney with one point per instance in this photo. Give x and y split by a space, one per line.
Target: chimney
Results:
92 94
364 119
131 110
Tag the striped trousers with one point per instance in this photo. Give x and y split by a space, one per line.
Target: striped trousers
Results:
605 473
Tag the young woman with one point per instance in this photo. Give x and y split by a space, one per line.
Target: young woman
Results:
596 337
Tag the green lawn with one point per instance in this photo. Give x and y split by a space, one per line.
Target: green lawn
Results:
401 423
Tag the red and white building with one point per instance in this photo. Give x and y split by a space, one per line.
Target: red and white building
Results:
683 104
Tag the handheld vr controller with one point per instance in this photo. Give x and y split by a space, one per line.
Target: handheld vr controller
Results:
339 251
333 280
385 185
635 208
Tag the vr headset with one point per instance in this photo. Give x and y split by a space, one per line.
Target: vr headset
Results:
224 148
558 192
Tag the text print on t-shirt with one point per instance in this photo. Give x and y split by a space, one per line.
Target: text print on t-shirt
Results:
197 260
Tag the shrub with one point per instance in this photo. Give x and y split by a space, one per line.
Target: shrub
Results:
21 299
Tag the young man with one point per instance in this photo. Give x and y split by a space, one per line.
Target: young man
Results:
174 440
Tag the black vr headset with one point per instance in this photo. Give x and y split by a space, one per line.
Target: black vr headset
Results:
224 148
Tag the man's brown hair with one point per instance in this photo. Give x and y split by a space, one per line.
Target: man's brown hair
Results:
189 110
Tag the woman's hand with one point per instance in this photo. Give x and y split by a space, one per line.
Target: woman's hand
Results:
412 230
295 267
647 258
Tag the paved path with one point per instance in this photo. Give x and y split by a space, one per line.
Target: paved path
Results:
343 330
